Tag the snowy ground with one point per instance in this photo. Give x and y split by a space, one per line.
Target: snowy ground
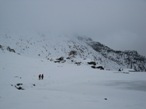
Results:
67 86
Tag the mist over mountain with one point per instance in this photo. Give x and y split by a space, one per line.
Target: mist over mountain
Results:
53 45
118 24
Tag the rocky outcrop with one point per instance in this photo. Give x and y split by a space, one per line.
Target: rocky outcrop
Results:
129 59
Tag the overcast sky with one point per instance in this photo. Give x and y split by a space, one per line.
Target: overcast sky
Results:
120 24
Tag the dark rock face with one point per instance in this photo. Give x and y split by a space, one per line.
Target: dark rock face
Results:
100 67
10 49
130 59
60 60
94 67
72 53
92 63
7 48
19 86
78 63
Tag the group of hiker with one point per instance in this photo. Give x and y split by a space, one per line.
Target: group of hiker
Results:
41 76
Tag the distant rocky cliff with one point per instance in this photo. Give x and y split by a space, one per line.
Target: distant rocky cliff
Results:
130 59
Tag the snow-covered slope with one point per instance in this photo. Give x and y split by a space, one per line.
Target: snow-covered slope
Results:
125 59
52 45
66 86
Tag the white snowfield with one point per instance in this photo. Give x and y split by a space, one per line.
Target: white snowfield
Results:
67 86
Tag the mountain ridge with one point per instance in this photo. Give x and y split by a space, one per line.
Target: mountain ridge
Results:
131 58
50 47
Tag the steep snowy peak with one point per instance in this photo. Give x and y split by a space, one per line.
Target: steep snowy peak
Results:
97 46
128 59
53 45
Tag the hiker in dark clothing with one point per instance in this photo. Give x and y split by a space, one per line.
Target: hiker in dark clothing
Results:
39 76
42 76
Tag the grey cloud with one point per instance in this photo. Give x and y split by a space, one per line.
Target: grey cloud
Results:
121 24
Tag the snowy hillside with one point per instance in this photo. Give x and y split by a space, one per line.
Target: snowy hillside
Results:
51 46
66 86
